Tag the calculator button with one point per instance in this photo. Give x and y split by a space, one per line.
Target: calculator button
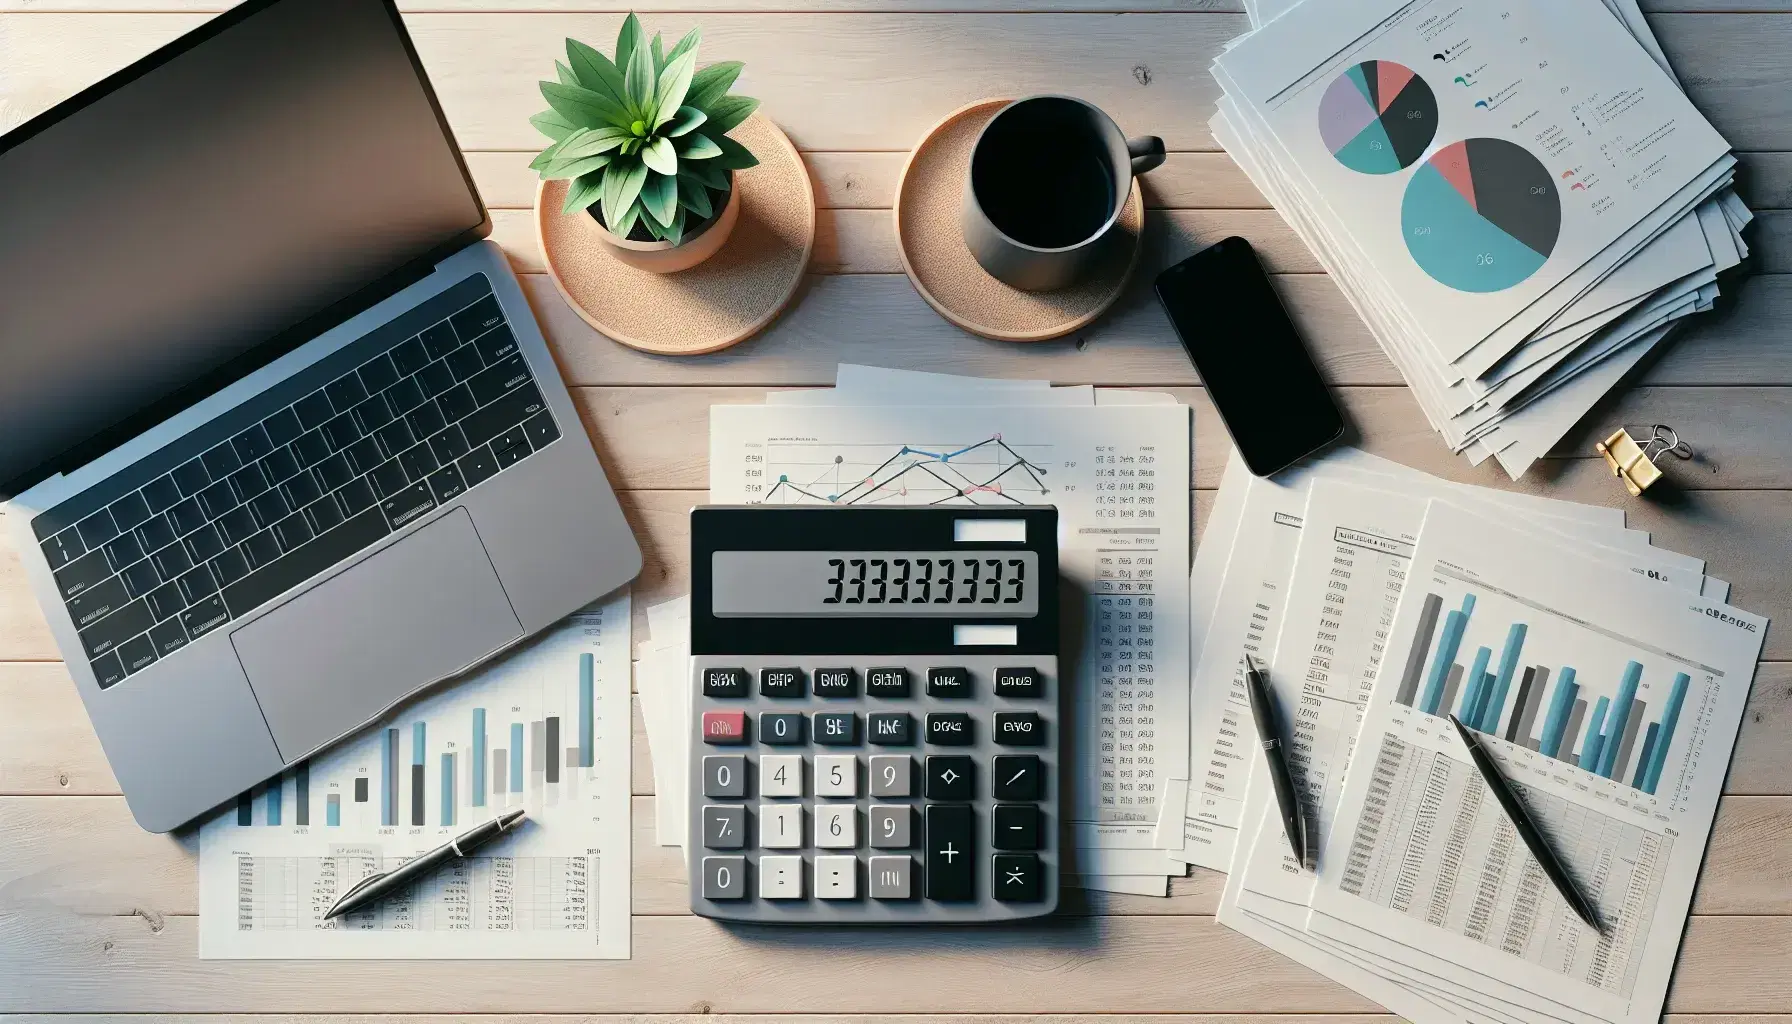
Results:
1015 877
890 826
724 775
836 682
724 826
837 728
1019 729
724 727
949 777
836 775
724 682
948 682
780 878
951 853
949 729
781 826
724 878
886 682
779 729
892 775
836 826
1016 777
891 728
780 775
1014 827
1019 682
892 878
836 878
780 682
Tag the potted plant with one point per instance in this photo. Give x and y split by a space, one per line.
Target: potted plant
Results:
643 142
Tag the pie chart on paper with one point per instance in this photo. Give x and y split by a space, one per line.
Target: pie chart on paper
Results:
1378 117
1481 215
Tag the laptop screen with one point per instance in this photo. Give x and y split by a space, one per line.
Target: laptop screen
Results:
244 182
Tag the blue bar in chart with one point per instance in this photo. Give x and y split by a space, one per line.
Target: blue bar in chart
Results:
478 765
1670 717
1614 727
1502 682
1644 758
389 778
516 757
245 808
587 710
1451 640
332 810
1589 747
448 789
1470 708
1556 725
273 801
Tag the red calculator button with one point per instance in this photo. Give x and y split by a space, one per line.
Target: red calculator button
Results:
724 727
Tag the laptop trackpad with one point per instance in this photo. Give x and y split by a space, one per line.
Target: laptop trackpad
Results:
338 654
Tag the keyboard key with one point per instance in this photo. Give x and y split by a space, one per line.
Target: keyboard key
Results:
407 505
341 432
137 654
269 509
1019 729
333 472
1015 827
346 392
510 447
892 775
311 449
97 602
1016 777
87 571
273 578
950 777
64 548
887 682
378 374
408 357
165 600
950 729
301 490
372 414
197 584
478 318
439 340
1016 877
395 437
252 444
221 461
168 637
191 478
780 775
948 682
951 856
1019 682
496 381
724 775
445 484
217 499
724 826
781 828
205 616
129 510
229 567
261 549
836 682
780 682
541 430
282 428
236 526
457 403
187 517
477 466
448 445
116 628
364 454
464 363
388 479
425 420
314 410
323 515
836 825
107 670
280 465
837 728
781 729
724 727
404 396
495 344
292 532
891 826
247 482
97 529
780 878
435 379
892 878
836 775
891 728
418 462
161 493
724 682
158 532
172 560
356 497
123 550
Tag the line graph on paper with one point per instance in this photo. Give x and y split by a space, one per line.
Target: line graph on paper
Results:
987 471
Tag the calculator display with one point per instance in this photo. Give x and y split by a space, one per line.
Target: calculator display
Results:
965 583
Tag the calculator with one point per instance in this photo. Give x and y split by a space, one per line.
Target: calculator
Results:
875 714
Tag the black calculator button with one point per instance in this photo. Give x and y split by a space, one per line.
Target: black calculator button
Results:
724 682
780 682
1015 827
836 682
948 682
886 682
1019 729
950 777
780 729
724 826
836 728
891 728
1015 877
951 853
1016 777
950 729
1019 682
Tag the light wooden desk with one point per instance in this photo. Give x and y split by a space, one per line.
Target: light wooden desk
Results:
96 916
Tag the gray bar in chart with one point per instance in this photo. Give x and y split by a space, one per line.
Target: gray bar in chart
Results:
1421 646
551 751
360 789
1451 683
538 737
1539 682
1632 725
500 764
1571 731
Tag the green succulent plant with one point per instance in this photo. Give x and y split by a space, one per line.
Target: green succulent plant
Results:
644 137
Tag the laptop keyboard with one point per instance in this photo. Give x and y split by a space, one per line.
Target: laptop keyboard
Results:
298 479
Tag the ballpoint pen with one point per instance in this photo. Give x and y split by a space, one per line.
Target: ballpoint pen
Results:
373 888
1527 828
1269 732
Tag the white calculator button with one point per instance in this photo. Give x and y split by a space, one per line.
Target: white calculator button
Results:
780 878
836 878
836 826
781 826
836 775
781 775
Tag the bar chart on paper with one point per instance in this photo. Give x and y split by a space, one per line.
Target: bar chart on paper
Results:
527 731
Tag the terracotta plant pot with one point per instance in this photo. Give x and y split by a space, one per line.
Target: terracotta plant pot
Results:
665 258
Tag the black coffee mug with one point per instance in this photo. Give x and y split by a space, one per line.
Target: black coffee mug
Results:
1049 176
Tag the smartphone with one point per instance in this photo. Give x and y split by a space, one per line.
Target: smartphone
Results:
1250 358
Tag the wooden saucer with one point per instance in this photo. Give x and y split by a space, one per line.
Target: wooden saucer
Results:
928 199
722 301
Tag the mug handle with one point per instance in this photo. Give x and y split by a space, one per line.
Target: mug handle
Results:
1147 152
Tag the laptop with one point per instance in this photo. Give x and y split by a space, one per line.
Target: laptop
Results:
282 441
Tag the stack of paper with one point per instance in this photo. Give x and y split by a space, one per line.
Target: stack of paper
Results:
1517 198
1608 674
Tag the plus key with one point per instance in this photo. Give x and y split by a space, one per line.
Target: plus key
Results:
951 860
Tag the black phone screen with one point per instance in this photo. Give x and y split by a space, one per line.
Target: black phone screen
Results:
1250 358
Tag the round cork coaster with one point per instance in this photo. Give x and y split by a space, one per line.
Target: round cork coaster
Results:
928 199
722 301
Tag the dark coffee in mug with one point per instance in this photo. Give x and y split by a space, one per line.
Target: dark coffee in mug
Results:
1042 185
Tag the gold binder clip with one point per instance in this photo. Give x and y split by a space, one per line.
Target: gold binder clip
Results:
1636 463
